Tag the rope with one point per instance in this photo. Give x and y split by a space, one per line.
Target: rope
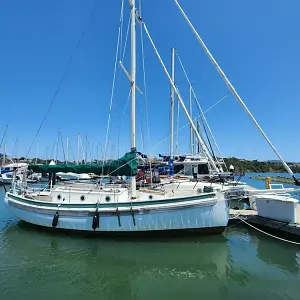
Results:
62 78
114 79
266 233
4 135
72 152
62 144
200 109
126 38
187 124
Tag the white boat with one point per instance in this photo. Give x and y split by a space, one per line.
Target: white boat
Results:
6 178
7 171
115 209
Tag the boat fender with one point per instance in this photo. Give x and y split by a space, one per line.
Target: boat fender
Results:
96 220
55 220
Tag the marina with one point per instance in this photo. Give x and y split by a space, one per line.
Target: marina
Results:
242 261
123 181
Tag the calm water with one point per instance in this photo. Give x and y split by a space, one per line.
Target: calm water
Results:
241 264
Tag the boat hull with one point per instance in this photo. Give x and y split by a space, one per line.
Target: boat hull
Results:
208 217
5 180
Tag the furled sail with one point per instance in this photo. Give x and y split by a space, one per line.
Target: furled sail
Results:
126 165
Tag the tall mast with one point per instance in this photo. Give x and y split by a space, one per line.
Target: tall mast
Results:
198 129
234 92
172 105
5 142
86 149
191 129
37 151
133 88
205 150
67 150
78 147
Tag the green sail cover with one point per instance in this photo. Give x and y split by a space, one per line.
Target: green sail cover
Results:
127 165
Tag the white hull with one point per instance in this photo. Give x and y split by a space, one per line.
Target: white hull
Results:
5 180
209 215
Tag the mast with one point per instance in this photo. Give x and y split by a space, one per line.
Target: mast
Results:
67 150
78 146
133 89
172 105
198 129
37 151
234 92
191 114
5 145
203 146
4 154
86 149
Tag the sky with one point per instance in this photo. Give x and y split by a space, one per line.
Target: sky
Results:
255 42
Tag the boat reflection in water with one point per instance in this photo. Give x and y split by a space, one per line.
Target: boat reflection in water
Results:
240 263
109 265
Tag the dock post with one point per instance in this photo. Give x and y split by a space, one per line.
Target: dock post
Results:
268 182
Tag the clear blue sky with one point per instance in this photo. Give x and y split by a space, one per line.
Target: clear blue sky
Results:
256 43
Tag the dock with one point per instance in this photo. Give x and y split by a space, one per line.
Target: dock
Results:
280 229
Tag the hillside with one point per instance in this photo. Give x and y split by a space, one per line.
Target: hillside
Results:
252 166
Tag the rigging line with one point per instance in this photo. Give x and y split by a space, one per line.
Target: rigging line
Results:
121 25
126 38
46 156
168 137
187 124
207 137
113 83
4 134
128 98
62 145
15 147
72 152
234 92
180 99
88 146
63 77
57 148
200 108
52 151
177 127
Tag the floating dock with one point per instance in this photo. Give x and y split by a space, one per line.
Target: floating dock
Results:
280 229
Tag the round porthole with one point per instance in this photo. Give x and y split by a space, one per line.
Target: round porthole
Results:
107 198
150 197
82 198
58 197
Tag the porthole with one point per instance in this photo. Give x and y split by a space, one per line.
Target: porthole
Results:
58 197
150 197
107 198
82 198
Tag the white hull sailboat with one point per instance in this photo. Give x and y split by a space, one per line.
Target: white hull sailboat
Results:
205 213
113 209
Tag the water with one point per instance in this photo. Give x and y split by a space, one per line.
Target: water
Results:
241 264
260 184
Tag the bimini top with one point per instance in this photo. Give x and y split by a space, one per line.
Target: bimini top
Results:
126 165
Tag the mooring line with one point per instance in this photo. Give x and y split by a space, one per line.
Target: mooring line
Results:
266 233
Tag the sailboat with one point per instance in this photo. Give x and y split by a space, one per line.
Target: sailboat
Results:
118 209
